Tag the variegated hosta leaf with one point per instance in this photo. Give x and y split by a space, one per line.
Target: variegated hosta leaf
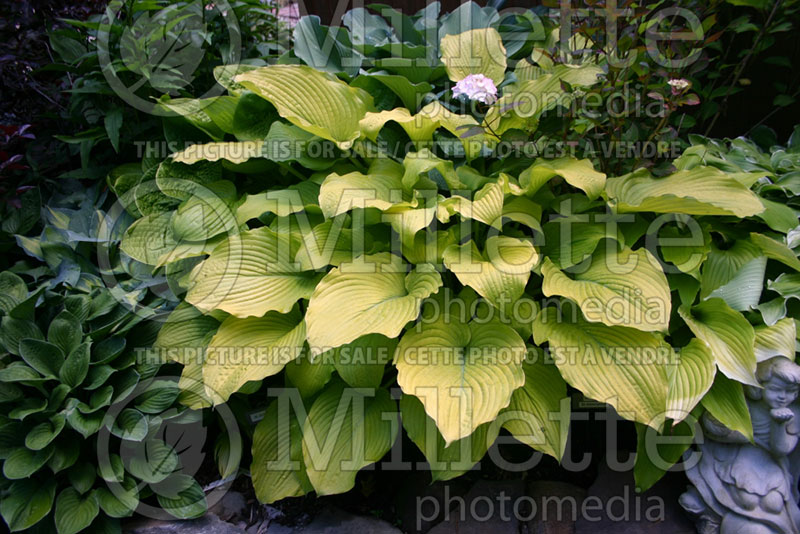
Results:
500 273
250 349
531 415
699 191
313 100
624 288
464 373
277 469
446 461
478 51
375 294
776 340
250 274
729 336
577 173
690 378
624 367
346 430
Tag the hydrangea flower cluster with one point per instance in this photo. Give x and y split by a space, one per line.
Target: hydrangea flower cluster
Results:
477 87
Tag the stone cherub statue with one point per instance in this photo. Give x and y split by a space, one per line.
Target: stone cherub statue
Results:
741 487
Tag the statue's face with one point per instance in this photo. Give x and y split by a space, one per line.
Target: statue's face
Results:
779 394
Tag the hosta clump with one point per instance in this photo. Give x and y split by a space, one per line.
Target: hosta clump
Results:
448 274
70 380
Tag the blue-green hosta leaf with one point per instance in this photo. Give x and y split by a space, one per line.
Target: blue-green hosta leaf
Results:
76 366
325 48
250 349
251 274
723 265
726 402
699 191
478 51
446 462
43 356
65 332
624 367
372 295
277 469
529 416
577 172
464 373
776 340
690 378
27 502
728 335
313 100
500 273
624 288
743 291
346 430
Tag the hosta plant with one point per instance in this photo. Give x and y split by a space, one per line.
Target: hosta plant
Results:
83 416
461 289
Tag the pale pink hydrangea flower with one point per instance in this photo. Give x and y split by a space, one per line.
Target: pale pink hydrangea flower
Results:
477 87
678 85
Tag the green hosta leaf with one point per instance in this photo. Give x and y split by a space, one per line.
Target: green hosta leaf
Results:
130 424
776 340
152 461
577 173
779 217
82 476
569 241
500 273
28 406
743 291
22 463
250 349
729 336
621 366
776 250
320 47
12 291
149 238
277 469
410 93
44 433
27 502
309 373
84 424
686 249
529 416
233 151
478 51
121 502
690 378
12 331
723 266
464 374
42 356
699 191
381 188
65 332
65 454
666 449
183 333
372 295
726 402
346 430
158 397
107 349
76 366
73 512
315 101
251 274
188 502
624 288
361 363
446 462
